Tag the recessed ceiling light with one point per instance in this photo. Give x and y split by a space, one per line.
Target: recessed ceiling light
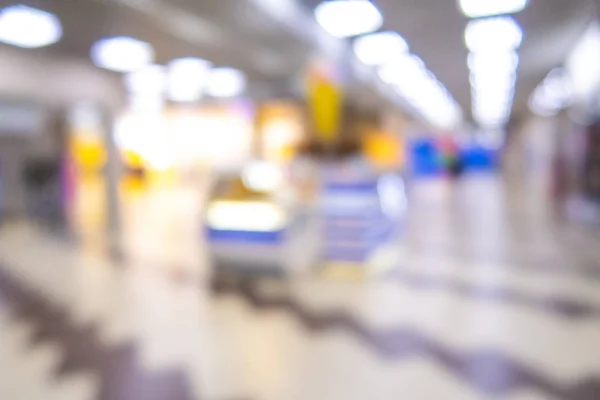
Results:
379 48
345 18
226 82
488 8
187 78
28 27
493 34
122 54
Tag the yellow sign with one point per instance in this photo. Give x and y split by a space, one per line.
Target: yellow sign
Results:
325 101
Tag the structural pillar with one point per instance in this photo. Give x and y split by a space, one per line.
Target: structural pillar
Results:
112 175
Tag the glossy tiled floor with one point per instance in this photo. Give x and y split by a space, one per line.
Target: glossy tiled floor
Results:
489 299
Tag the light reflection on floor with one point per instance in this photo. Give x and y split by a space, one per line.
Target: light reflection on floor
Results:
491 299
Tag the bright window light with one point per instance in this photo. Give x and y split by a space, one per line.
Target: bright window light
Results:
493 34
28 27
250 216
488 8
226 82
379 48
345 18
149 79
187 79
262 176
122 54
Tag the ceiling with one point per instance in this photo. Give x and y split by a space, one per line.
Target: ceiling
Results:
226 32
274 51
434 30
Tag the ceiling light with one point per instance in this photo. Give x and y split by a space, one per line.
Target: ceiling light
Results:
149 79
28 27
379 48
554 93
345 18
226 82
423 91
407 67
487 8
494 83
493 62
493 34
122 54
187 78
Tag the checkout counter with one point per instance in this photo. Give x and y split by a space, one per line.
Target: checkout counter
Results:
255 224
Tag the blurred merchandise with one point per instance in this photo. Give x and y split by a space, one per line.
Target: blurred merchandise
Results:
361 214
279 131
425 158
252 229
384 150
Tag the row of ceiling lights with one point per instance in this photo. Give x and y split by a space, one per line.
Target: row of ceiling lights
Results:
183 80
389 53
492 41
492 38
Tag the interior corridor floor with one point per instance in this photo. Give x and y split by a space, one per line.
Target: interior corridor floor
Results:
491 298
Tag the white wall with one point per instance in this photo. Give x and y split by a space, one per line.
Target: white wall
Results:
56 81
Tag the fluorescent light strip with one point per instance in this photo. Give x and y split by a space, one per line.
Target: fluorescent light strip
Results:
409 76
493 35
346 18
554 93
493 63
492 95
379 48
422 90
488 8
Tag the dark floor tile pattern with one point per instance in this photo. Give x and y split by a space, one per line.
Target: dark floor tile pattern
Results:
575 265
120 376
489 371
562 307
